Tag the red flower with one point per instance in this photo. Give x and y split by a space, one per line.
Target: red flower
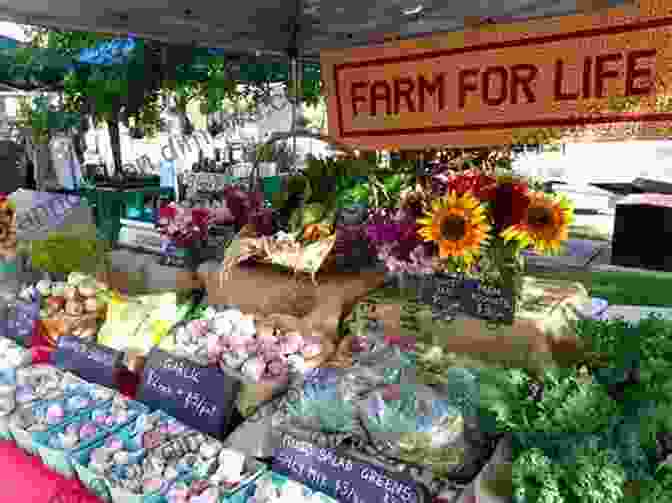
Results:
200 217
509 204
478 184
168 212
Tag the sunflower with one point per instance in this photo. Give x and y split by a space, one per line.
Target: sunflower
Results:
545 224
458 224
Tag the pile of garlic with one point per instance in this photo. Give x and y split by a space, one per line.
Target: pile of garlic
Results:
234 340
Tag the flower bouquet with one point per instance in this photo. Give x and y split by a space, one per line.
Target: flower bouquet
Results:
183 232
470 224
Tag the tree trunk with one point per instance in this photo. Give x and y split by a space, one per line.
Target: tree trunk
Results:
185 123
115 142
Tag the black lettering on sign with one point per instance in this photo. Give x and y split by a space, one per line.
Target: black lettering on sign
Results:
446 290
342 478
200 397
488 302
92 362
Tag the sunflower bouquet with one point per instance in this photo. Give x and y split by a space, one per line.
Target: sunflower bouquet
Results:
476 224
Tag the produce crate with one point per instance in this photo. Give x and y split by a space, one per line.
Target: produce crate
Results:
5 421
99 485
7 394
28 440
60 460
278 481
253 471
108 488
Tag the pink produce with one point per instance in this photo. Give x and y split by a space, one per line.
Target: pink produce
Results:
290 346
266 339
215 345
55 413
277 368
244 338
88 430
252 346
198 327
311 350
295 338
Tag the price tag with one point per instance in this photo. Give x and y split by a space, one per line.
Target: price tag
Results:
444 292
423 168
90 361
48 211
342 478
21 319
200 397
488 302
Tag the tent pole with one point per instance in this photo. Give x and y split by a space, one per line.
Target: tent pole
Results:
296 100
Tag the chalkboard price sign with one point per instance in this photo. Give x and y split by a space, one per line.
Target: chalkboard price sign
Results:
200 397
446 290
488 302
49 210
342 478
21 319
91 361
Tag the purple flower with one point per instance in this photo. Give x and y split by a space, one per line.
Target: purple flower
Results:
383 233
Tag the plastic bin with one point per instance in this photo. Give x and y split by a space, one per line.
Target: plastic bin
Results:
27 440
108 488
98 484
60 460
278 481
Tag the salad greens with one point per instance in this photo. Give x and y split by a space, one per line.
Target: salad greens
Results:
590 433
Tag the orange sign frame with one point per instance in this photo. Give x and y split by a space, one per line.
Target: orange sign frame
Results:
486 86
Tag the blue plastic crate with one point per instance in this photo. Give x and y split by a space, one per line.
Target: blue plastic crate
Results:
60 460
98 484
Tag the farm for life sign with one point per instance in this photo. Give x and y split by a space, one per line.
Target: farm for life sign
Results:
486 86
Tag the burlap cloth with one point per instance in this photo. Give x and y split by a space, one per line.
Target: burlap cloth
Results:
266 290
542 333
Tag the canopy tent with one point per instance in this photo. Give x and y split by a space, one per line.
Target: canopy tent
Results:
28 69
273 27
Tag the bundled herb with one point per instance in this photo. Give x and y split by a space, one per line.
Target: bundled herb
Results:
72 251
592 475
569 404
